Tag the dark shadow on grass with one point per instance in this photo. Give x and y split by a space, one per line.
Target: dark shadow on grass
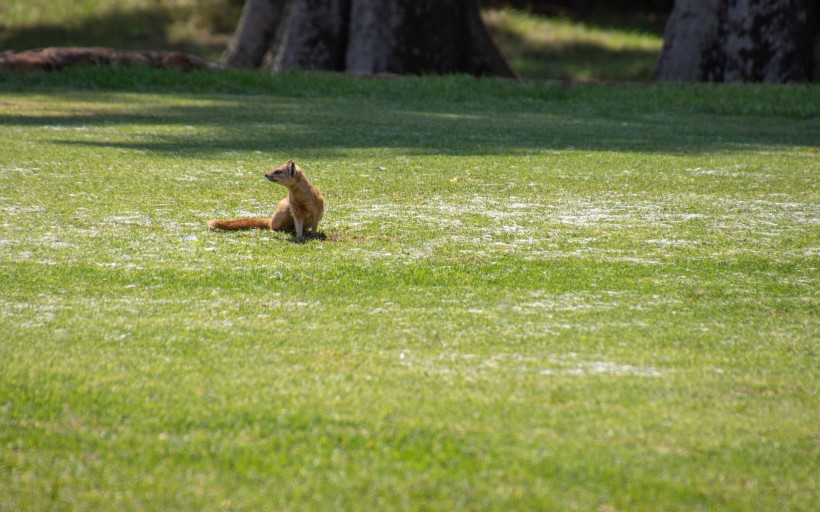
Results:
485 134
318 237
514 119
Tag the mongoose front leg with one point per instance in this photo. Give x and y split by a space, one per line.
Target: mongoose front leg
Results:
313 228
300 226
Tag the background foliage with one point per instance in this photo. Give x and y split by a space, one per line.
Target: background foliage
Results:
567 40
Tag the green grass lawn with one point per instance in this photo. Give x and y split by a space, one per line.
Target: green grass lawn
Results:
532 297
202 27
538 47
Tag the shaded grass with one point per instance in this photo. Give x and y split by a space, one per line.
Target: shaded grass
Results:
532 296
540 47
187 26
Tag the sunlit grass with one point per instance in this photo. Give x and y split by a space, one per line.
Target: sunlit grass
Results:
541 47
532 297
560 34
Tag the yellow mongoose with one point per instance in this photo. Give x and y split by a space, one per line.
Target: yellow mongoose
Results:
298 213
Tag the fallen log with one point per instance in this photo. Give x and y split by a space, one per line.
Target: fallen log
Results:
55 59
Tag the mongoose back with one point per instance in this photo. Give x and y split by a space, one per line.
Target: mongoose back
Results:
298 213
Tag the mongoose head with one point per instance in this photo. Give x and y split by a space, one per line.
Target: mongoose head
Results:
286 174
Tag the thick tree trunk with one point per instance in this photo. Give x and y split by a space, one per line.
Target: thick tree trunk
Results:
373 38
314 36
256 32
737 41
765 41
421 36
367 36
690 35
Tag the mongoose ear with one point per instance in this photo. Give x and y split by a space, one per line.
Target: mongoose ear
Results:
291 168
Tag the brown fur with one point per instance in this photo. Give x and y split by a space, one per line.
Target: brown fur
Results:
299 213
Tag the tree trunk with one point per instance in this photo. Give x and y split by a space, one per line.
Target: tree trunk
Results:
314 36
256 32
738 41
368 36
421 36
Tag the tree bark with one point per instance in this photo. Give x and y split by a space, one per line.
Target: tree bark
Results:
314 36
255 34
367 36
421 36
738 41
691 32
